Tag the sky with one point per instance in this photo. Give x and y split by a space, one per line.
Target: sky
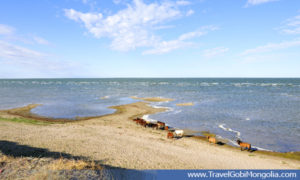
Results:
147 38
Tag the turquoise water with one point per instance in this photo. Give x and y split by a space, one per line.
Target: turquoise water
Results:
265 112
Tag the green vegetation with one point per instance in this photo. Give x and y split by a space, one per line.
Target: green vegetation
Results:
207 133
27 121
289 155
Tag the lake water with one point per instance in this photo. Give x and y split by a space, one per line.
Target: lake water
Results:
265 112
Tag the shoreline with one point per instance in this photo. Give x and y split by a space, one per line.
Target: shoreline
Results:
136 137
25 112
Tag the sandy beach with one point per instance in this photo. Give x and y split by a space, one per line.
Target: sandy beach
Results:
117 141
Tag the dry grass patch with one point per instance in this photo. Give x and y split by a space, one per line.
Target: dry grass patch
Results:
5 159
49 168
65 164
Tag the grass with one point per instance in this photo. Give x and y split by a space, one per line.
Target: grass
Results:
25 120
207 133
288 155
5 159
65 164
49 168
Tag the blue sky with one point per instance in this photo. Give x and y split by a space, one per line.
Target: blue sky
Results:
143 38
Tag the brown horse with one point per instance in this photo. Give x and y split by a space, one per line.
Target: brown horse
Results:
143 123
170 135
244 145
161 125
152 125
155 126
212 140
138 121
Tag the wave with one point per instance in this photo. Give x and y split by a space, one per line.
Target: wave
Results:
177 111
259 148
291 96
147 119
157 105
234 143
263 84
162 83
222 126
208 84
238 135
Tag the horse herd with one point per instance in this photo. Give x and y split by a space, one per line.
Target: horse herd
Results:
179 133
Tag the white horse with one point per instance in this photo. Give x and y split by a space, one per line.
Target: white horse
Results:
178 133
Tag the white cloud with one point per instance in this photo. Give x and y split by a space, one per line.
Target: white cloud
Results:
10 51
210 53
190 12
40 40
163 27
190 35
257 2
9 34
6 30
89 19
272 47
135 26
202 31
17 61
131 27
292 25
167 46
183 3
117 1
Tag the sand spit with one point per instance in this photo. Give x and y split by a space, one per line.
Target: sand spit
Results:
153 99
117 141
185 104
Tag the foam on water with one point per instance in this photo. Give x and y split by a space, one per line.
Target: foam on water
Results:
147 119
158 105
222 126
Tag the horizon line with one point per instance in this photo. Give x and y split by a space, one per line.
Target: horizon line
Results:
153 78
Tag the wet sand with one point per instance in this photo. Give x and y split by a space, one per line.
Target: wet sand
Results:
152 99
117 141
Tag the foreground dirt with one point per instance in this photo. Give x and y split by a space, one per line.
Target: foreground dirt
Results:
115 140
